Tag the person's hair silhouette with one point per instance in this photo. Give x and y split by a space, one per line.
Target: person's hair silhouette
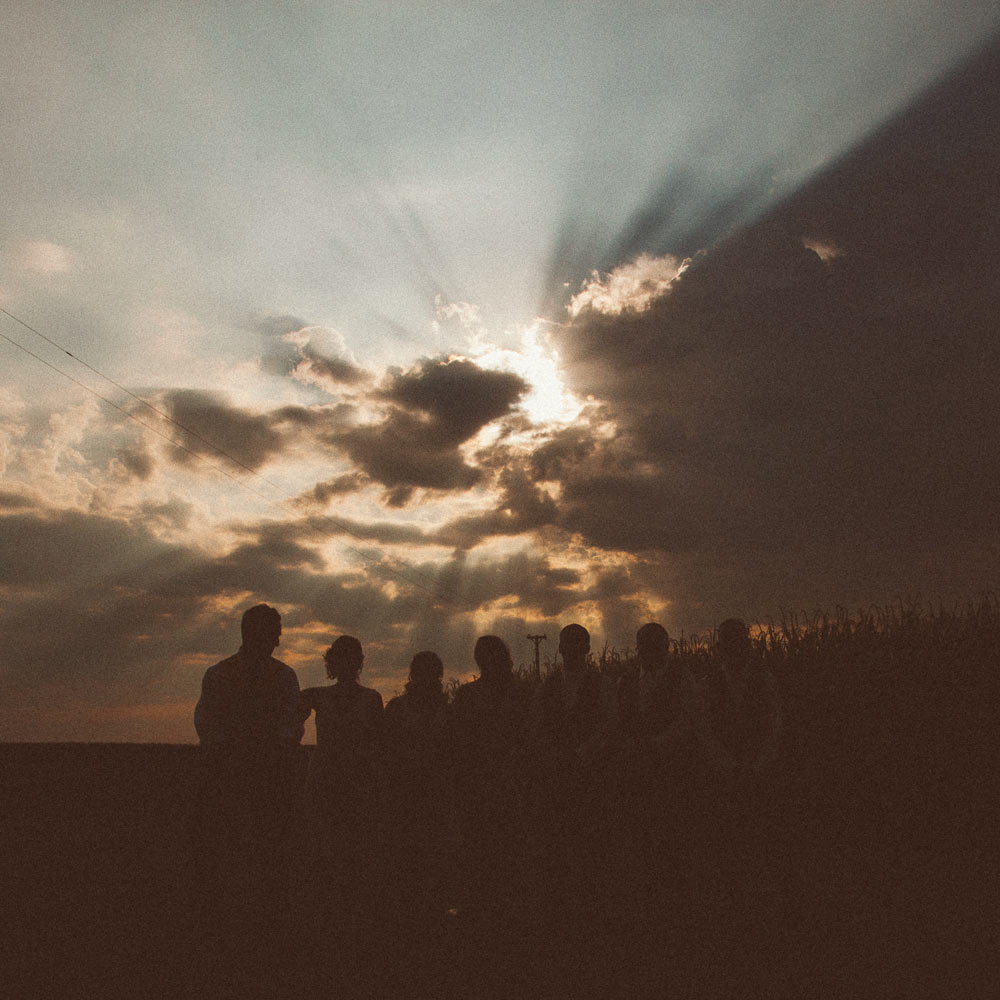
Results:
344 659
426 673
493 659
734 642
574 646
652 644
260 629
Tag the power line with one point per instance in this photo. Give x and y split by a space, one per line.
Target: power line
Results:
341 526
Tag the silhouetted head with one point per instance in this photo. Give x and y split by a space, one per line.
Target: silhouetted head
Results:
344 659
652 644
426 671
734 641
493 658
260 629
574 645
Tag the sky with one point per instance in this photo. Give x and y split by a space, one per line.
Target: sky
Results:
420 321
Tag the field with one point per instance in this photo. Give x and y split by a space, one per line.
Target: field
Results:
869 866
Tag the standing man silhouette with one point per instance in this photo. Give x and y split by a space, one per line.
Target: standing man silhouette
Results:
249 724
250 698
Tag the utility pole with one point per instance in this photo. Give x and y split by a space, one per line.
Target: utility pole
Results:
537 640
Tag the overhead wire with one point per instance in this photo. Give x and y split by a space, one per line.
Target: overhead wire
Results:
411 575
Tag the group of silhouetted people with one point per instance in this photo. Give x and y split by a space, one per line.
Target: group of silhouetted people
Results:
511 802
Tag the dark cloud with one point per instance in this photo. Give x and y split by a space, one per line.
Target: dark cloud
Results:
456 397
324 422
209 425
336 371
467 584
16 500
320 527
522 507
405 451
136 462
173 513
285 355
792 428
435 408
321 494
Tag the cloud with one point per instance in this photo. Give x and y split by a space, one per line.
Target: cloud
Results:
433 409
770 402
43 257
471 583
456 395
326 371
320 494
209 425
522 508
804 415
17 500
135 463
315 355
631 286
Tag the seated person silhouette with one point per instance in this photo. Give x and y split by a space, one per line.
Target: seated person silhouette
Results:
343 788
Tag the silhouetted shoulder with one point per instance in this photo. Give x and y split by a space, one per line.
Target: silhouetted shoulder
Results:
470 699
281 669
236 666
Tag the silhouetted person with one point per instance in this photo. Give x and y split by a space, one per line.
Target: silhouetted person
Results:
343 805
249 726
343 786
423 832
422 806
658 703
491 730
741 742
571 708
248 720
251 699
743 704
571 714
659 718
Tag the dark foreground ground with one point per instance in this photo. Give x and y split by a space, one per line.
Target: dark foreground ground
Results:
875 876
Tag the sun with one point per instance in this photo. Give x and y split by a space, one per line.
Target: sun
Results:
548 400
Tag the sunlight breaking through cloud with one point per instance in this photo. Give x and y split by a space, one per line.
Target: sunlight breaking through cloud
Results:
547 400
632 286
